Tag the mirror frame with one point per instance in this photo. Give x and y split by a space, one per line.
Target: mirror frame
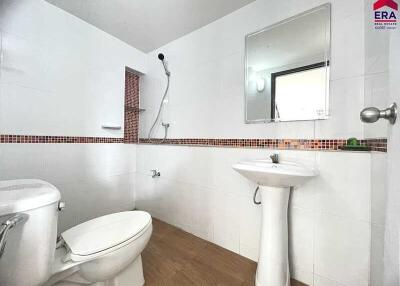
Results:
327 63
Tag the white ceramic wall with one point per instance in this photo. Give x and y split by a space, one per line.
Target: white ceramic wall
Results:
199 192
330 218
381 89
376 71
379 202
94 179
62 76
207 82
392 213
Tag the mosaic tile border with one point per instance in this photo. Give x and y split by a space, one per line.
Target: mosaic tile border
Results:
379 145
57 139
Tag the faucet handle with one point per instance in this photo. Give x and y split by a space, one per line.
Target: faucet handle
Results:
275 158
155 174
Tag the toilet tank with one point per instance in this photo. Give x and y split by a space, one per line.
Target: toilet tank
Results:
29 251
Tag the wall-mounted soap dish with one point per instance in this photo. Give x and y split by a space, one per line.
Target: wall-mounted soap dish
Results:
111 127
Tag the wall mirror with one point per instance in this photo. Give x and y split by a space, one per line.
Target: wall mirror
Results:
287 69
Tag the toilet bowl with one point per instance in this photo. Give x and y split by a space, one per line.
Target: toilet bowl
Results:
105 251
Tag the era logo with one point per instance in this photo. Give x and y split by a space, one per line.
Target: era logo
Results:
385 14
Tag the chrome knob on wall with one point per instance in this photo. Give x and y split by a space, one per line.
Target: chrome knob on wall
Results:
373 114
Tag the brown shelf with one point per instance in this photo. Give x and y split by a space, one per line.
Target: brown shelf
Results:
134 109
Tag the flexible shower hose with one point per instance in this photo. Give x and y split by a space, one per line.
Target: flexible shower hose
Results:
159 112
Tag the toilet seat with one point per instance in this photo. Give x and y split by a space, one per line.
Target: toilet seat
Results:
104 235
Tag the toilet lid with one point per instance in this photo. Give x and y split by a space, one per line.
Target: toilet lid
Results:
105 232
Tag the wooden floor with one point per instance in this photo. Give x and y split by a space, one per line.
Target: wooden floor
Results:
175 257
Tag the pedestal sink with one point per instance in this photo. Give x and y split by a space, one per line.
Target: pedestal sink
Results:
275 181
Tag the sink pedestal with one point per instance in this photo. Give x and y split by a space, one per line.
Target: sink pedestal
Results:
273 262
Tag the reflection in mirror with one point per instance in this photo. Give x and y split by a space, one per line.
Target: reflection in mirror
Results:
287 69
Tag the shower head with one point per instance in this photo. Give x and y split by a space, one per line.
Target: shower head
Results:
161 58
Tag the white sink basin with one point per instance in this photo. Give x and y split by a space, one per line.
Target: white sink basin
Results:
274 182
266 173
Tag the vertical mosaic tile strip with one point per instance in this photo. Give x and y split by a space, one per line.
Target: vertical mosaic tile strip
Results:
131 125
277 144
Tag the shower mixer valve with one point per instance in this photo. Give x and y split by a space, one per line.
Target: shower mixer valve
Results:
155 174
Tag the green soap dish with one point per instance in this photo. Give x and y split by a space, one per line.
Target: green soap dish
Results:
353 144
355 148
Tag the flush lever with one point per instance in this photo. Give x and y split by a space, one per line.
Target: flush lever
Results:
6 226
373 114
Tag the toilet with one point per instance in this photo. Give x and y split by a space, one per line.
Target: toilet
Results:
105 251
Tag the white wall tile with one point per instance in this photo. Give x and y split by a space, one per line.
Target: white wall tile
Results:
250 227
347 45
377 255
84 174
91 199
342 249
322 281
346 102
377 44
379 194
60 75
391 246
376 95
204 73
301 244
343 187
199 192
225 221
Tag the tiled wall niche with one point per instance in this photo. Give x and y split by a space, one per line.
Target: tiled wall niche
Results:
132 109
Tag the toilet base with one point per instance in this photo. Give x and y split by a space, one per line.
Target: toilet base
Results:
131 276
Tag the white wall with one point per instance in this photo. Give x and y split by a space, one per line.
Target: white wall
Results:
392 214
381 87
94 179
62 76
207 82
376 71
330 218
379 203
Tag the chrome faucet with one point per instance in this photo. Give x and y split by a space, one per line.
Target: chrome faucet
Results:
275 158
